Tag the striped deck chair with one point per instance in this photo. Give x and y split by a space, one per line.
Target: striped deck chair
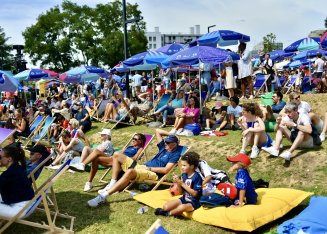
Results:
156 228
5 133
161 181
35 125
163 101
148 139
32 206
259 84
34 174
43 132
289 84
100 109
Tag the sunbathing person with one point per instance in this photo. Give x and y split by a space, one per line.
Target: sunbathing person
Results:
117 110
253 129
297 128
189 115
167 157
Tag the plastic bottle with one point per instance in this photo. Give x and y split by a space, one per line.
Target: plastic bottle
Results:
132 194
142 210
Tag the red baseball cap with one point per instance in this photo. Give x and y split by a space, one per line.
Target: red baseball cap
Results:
243 158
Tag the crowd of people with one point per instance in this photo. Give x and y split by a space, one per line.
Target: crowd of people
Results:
75 107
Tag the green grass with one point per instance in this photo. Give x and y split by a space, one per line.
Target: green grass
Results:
306 172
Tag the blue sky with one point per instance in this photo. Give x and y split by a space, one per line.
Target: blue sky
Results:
289 20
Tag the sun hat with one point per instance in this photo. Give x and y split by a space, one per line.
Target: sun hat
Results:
243 158
105 131
219 105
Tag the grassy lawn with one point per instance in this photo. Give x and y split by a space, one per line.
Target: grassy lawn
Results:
307 172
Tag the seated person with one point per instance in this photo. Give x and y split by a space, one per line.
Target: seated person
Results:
118 110
270 113
83 118
189 115
216 117
21 124
15 188
167 157
190 183
144 107
234 111
297 128
114 103
253 129
38 153
97 157
324 130
68 148
173 104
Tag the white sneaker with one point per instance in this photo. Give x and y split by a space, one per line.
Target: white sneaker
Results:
322 136
242 152
98 200
77 167
271 150
88 186
251 97
286 155
280 146
255 152
179 131
55 167
101 191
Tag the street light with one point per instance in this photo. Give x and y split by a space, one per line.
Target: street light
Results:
211 26
125 39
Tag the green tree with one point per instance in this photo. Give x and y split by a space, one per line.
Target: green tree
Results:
269 42
6 58
70 35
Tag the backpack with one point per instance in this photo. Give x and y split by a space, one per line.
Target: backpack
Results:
214 200
194 127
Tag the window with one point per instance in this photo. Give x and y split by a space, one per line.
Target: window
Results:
150 46
150 38
154 38
154 46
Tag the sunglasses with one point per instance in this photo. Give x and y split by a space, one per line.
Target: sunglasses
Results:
167 143
297 98
136 139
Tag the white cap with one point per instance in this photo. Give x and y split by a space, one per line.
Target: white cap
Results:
105 131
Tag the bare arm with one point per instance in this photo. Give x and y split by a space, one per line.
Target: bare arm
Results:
162 170
160 133
138 154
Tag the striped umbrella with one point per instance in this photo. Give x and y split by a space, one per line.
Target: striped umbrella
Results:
35 74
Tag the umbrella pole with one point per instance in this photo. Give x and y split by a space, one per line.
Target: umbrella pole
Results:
153 89
200 96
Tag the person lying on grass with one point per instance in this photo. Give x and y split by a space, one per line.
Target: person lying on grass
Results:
190 183
98 156
167 157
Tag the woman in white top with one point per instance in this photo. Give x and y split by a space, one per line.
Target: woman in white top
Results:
230 83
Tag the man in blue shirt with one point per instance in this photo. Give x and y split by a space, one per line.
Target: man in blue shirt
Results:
37 154
272 112
167 157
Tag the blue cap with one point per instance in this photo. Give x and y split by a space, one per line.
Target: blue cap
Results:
171 138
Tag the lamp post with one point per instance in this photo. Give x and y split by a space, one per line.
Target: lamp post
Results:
211 26
125 22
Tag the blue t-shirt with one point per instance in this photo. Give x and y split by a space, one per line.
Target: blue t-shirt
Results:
276 108
130 151
164 157
177 103
195 183
244 181
30 167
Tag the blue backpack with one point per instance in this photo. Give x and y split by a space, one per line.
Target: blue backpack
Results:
214 200
194 127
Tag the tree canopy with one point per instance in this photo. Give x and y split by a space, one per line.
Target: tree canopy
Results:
6 58
269 42
69 35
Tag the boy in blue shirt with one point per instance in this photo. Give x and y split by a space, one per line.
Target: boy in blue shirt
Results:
244 183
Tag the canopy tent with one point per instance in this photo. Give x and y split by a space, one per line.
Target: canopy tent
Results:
221 38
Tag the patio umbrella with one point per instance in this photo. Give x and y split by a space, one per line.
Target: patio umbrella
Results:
35 74
298 63
221 38
277 55
309 54
309 43
151 57
323 40
8 83
83 74
171 48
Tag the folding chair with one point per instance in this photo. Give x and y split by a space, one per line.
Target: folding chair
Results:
31 206
33 175
5 133
35 125
148 139
121 121
163 101
290 84
161 181
100 109
260 83
44 131
156 228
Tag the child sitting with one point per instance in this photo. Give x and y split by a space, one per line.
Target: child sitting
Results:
244 183
190 183
217 116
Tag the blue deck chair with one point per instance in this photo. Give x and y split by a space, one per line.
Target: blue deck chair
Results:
5 133
259 83
289 84
156 228
282 80
35 125
163 101
45 127
32 205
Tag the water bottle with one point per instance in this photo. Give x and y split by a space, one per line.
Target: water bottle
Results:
142 210
132 194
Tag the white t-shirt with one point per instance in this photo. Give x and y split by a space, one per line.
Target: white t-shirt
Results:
304 119
319 64
137 79
235 111
108 148
304 107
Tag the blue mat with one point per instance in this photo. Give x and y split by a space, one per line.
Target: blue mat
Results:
312 219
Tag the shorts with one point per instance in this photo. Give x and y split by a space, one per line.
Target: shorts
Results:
268 143
195 203
142 174
320 126
308 144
